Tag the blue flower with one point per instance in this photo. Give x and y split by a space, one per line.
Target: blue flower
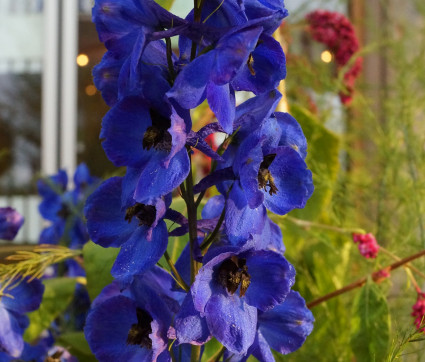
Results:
150 142
264 165
232 285
130 324
283 329
14 303
63 208
10 223
243 56
139 229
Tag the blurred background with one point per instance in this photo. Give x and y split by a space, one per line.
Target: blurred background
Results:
366 153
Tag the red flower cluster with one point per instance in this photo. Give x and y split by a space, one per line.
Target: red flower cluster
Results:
368 245
419 311
337 33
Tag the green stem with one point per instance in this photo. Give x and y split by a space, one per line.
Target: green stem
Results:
180 280
360 282
309 224
170 60
215 232
192 220
216 356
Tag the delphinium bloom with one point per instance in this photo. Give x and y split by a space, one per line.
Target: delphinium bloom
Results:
63 209
243 56
419 311
266 163
367 244
283 328
131 323
10 223
232 286
139 229
336 32
16 299
224 47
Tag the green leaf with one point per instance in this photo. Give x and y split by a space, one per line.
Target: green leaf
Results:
370 324
212 348
98 262
166 4
322 160
76 344
58 294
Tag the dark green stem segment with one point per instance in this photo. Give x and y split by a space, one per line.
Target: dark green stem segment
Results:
180 280
359 283
216 357
170 60
192 219
208 241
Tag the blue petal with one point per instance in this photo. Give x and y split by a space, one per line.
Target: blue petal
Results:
271 279
138 254
213 207
261 349
52 234
231 321
111 290
189 325
190 85
287 326
107 328
10 223
105 77
156 181
268 62
272 11
214 178
10 333
252 112
292 134
232 52
292 179
270 238
223 14
105 219
161 281
246 166
26 297
222 102
82 176
240 220
147 299
123 129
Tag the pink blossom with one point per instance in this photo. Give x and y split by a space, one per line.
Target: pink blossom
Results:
419 311
367 244
337 33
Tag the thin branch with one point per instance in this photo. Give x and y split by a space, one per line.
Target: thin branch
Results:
359 283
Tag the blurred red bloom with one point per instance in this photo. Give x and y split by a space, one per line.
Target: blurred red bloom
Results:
337 33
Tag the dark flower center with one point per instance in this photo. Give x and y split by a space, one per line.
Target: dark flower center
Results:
146 214
157 135
138 334
250 63
232 273
64 212
265 178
